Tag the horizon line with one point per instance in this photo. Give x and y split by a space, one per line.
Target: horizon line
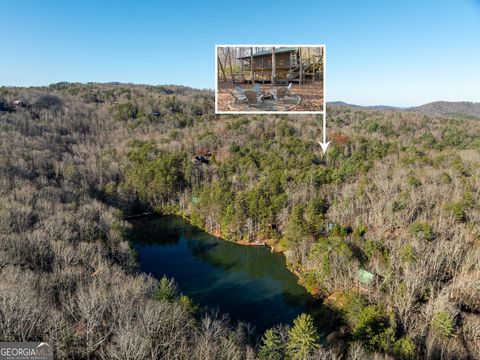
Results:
113 83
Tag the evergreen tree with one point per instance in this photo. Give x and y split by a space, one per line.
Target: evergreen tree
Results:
297 227
303 338
271 347
166 290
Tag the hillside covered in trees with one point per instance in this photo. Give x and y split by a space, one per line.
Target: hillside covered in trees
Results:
396 197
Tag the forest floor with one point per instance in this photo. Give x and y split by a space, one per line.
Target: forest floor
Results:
311 95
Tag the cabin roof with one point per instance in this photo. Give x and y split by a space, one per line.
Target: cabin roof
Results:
194 200
365 277
279 50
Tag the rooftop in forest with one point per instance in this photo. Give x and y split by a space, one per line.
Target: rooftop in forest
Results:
269 52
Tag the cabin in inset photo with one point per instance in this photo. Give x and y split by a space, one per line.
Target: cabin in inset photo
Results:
283 65
269 79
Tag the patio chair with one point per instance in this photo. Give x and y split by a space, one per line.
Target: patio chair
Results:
289 89
291 93
252 97
281 92
257 89
239 94
239 89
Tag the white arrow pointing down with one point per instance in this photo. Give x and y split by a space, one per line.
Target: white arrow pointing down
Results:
324 144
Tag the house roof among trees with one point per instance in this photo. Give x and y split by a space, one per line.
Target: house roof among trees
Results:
365 277
269 52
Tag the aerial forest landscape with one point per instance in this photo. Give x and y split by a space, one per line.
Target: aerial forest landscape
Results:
138 223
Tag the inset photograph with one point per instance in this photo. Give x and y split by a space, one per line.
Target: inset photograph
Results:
269 79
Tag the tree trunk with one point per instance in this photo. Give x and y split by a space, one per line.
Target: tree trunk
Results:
221 68
231 68
274 75
263 76
252 77
301 67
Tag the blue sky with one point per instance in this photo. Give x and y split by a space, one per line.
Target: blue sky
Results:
378 52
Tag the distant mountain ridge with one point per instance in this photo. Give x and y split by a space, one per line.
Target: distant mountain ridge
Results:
441 108
450 108
379 107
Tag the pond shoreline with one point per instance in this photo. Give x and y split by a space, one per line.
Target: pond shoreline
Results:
254 285
275 248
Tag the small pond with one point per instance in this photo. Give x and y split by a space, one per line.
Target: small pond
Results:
249 283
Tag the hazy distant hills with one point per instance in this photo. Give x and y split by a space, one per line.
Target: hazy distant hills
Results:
441 108
450 108
379 107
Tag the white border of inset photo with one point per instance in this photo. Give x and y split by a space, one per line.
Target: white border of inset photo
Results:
271 112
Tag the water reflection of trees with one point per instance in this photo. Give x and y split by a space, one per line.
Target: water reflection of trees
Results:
256 262
162 231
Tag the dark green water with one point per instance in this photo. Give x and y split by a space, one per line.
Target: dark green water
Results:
248 282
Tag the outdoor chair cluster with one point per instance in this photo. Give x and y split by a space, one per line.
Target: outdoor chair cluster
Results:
258 96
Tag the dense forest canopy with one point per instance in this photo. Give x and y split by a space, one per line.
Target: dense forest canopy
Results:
383 228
